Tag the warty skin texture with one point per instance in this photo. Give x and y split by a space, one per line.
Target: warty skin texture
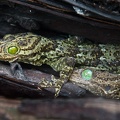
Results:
102 83
61 55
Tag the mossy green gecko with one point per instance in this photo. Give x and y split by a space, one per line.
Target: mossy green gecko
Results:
61 55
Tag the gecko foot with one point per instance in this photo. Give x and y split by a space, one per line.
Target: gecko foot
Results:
55 83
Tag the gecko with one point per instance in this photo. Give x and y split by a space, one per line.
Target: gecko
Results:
100 83
61 55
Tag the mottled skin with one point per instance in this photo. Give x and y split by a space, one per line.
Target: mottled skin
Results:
61 55
102 83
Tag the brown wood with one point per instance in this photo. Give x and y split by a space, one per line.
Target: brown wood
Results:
87 108
72 109
95 29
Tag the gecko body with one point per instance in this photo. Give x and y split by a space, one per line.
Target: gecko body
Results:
61 55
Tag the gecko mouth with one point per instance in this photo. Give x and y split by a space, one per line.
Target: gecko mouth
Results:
8 58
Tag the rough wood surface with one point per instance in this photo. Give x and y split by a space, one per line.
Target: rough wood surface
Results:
15 85
44 20
87 108
54 109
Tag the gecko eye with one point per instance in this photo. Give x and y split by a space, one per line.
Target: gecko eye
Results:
87 74
13 50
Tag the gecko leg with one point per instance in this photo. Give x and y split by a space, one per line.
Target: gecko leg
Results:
65 65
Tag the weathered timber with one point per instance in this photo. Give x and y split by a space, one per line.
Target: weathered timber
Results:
72 109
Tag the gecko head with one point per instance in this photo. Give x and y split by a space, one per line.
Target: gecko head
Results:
17 47
101 83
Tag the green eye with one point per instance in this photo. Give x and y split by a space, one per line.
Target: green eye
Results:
87 74
12 50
